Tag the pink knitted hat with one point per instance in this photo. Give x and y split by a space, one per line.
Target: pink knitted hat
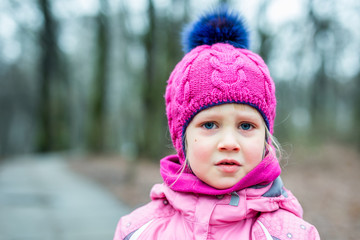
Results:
217 70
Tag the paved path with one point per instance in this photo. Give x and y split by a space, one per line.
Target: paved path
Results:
40 198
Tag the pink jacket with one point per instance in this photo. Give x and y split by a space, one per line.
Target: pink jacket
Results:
270 212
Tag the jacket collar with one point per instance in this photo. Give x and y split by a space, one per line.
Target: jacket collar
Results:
236 206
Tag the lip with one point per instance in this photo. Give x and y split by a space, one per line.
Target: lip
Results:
228 165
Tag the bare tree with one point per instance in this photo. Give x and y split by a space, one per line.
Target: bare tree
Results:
52 101
97 119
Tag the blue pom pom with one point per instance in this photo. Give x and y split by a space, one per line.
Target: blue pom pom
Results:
218 26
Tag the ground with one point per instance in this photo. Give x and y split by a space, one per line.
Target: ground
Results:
324 178
41 199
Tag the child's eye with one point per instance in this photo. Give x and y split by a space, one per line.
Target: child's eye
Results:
246 126
209 125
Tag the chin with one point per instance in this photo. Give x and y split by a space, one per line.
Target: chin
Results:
223 185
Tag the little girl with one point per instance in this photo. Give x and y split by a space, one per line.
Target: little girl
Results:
224 181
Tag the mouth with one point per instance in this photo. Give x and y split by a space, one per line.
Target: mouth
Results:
228 166
228 162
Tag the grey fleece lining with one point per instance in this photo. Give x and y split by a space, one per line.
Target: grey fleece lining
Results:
276 189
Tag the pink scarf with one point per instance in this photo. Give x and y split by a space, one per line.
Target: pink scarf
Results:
264 173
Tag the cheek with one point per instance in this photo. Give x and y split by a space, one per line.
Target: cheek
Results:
198 151
255 152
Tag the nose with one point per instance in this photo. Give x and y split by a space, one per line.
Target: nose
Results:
228 142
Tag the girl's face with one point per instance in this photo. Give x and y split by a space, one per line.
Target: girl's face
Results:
224 143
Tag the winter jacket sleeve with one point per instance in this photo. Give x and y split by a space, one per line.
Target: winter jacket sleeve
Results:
130 224
282 224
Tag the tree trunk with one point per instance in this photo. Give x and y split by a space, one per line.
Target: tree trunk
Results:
48 63
148 145
97 120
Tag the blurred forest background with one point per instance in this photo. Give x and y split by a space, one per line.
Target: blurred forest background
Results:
89 76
